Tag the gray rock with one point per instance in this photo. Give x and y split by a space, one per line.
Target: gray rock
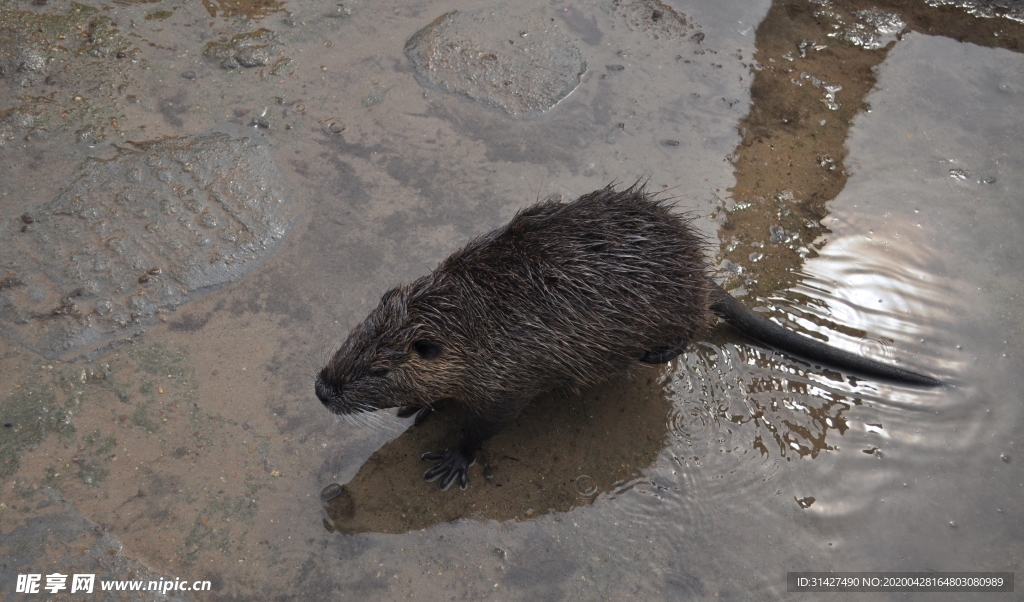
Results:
253 49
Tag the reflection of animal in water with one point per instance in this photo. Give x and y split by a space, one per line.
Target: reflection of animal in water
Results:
564 295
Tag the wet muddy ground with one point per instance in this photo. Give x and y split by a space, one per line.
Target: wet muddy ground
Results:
853 165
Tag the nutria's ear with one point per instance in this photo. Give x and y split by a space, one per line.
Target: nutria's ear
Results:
426 349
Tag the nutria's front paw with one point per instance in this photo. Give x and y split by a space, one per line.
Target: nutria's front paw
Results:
451 464
420 413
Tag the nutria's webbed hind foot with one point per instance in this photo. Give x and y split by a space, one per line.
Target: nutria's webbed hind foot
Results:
451 464
662 355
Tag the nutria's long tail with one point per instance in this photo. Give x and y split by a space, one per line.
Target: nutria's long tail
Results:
764 330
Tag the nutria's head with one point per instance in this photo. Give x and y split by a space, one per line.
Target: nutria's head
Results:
398 356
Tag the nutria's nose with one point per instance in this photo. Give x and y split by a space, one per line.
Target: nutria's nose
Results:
322 392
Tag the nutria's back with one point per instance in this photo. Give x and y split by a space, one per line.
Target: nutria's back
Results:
566 294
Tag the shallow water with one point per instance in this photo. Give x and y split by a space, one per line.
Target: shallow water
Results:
196 450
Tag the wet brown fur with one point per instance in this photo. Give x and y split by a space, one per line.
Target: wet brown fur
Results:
564 295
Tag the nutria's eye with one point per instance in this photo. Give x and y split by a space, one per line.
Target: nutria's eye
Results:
378 372
426 349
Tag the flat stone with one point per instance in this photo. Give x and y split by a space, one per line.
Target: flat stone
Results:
149 229
521 64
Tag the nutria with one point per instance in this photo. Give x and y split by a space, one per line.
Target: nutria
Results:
564 295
